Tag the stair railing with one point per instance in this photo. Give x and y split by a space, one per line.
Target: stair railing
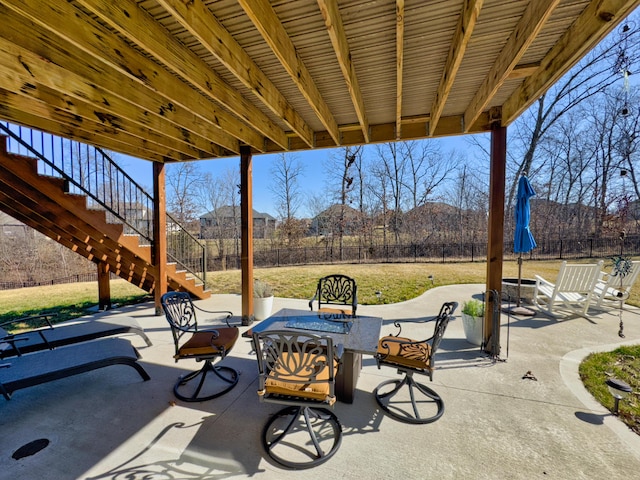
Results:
88 170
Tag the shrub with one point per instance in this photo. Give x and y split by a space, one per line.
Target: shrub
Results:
475 308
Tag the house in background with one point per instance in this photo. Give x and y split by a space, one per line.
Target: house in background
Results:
328 221
224 222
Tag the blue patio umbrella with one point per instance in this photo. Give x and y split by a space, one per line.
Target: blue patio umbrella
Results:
523 240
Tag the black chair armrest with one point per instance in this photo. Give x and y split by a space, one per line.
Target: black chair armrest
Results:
45 316
227 314
313 299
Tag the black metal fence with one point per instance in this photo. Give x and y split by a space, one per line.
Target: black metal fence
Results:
560 249
565 249
81 277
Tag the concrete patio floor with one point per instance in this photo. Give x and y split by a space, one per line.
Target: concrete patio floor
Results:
108 424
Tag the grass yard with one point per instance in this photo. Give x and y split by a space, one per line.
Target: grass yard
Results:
397 282
623 364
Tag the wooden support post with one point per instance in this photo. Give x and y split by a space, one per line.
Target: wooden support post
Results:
159 234
495 247
104 286
246 224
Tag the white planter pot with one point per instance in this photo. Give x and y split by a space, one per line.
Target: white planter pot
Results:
262 307
472 328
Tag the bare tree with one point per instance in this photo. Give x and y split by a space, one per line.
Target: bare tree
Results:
184 184
341 169
286 172
221 198
394 165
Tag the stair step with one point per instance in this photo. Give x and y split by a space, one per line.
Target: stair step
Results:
40 202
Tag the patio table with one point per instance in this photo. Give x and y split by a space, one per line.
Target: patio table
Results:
358 335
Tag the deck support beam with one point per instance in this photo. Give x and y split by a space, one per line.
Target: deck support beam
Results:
104 286
246 229
495 246
159 233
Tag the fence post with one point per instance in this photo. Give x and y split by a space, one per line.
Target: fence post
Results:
560 249
590 247
443 247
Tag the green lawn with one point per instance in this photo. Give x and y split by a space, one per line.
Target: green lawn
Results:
623 364
397 282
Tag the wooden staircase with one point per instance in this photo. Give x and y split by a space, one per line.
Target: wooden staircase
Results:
41 202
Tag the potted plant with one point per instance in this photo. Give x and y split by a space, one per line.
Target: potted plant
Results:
473 320
262 299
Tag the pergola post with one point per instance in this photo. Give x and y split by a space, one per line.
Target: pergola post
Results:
104 286
246 229
495 247
159 234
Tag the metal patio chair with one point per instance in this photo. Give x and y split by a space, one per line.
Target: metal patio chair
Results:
336 294
298 370
410 357
192 342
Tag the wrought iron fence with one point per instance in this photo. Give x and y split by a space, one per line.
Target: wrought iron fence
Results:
562 249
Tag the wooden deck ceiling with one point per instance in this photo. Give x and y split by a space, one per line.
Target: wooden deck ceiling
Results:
171 80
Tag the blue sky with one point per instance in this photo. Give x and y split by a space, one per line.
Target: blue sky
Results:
312 181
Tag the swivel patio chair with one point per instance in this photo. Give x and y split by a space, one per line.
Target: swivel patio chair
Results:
410 357
298 370
201 345
336 294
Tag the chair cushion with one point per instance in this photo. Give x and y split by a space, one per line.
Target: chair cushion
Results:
341 310
283 380
414 355
206 343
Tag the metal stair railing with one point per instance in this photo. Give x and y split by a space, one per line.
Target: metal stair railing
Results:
88 170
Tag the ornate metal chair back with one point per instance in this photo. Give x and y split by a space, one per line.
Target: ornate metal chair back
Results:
295 368
336 290
180 313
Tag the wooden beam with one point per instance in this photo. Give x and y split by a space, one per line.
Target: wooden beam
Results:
32 113
526 31
466 24
104 286
159 234
139 27
522 71
495 241
596 21
31 76
246 233
81 76
413 128
266 21
399 64
335 28
96 41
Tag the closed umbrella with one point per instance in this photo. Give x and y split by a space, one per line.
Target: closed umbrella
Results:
523 240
